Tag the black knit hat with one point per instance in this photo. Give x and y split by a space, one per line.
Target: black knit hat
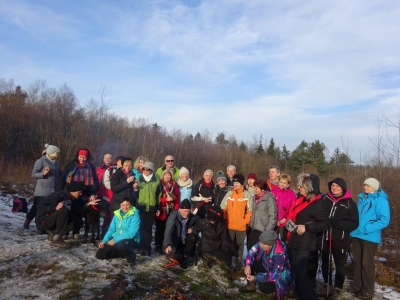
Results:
214 213
340 182
238 178
185 204
76 186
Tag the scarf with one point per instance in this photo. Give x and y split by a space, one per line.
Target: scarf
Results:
52 160
184 227
147 178
167 188
300 204
258 198
188 183
81 173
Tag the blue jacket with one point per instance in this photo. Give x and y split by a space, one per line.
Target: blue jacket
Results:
124 227
374 215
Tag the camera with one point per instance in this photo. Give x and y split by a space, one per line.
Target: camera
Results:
291 226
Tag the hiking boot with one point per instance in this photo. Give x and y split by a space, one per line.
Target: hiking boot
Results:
363 296
26 224
325 291
60 243
76 236
249 288
50 235
352 290
336 292
206 264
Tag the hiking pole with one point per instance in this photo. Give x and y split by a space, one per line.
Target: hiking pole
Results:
329 261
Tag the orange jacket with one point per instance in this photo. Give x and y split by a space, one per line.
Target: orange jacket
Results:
237 205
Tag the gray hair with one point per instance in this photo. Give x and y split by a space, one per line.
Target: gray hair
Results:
304 181
231 167
275 167
208 170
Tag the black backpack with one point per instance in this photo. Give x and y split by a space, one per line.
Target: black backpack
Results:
20 205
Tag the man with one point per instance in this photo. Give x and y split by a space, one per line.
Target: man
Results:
54 213
179 239
230 171
273 180
169 165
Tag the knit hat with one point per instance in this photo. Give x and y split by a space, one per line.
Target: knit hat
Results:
75 186
185 204
252 176
340 182
238 178
220 175
183 170
148 165
50 149
372 182
268 237
215 213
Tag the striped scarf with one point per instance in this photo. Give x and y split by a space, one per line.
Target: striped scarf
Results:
81 173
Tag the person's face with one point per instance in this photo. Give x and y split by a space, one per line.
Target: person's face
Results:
250 181
184 177
302 191
76 194
230 172
184 212
169 161
257 190
119 164
54 155
221 183
336 189
274 175
125 206
283 184
167 177
207 177
147 171
237 185
265 247
368 189
128 166
107 159
141 162
82 159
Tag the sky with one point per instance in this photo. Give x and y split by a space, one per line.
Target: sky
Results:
291 70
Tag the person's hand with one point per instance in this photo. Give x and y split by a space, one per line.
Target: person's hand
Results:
207 200
93 202
92 198
169 198
46 171
300 229
135 186
247 270
101 245
250 278
111 242
282 221
59 206
157 213
190 230
130 179
168 250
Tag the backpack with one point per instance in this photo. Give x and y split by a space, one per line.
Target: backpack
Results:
20 205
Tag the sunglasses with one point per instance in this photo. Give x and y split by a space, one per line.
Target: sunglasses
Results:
169 160
213 211
146 169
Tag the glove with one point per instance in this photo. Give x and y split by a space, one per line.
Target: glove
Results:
334 223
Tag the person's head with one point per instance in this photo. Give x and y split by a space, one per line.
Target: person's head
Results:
251 178
185 208
82 156
166 176
75 189
125 205
107 159
337 187
371 185
284 181
139 162
208 175
238 181
259 186
184 174
215 214
118 161
52 151
221 179
148 168
274 173
169 161
305 185
230 171
127 164
267 239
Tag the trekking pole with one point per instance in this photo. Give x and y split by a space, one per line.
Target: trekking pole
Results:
330 261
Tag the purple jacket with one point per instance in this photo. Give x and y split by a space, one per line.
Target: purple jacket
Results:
284 199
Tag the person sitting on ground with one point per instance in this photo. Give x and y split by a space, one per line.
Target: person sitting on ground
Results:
53 214
122 238
179 239
267 266
216 245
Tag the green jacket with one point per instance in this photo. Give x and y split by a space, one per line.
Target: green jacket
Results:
174 170
149 194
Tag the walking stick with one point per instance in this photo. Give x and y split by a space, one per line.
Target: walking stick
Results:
330 261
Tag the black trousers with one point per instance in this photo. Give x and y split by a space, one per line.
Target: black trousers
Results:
146 229
159 234
32 212
265 287
125 248
303 289
252 238
218 256
57 221
185 249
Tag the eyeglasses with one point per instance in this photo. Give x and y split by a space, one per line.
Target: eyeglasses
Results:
213 211
171 160
146 169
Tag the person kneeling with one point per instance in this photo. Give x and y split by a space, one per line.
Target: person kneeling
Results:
122 237
268 259
179 239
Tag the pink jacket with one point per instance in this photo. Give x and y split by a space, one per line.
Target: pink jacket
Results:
284 199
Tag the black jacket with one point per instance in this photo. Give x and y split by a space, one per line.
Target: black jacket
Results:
315 218
219 195
213 236
121 188
48 205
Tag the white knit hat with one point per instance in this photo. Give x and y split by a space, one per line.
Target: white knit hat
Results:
183 170
372 182
50 149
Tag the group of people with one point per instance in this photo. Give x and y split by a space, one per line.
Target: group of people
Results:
284 231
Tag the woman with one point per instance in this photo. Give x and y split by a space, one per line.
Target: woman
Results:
202 194
221 188
47 172
374 215
309 217
269 261
170 200
122 237
264 213
251 178
81 170
185 184
138 166
122 184
343 217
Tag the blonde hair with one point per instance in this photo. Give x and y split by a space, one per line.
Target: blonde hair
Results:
137 161
286 177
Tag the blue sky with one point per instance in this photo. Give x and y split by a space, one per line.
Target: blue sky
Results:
291 70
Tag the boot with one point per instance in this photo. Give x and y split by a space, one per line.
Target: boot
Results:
336 292
26 223
60 243
249 288
325 291
76 236
50 235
